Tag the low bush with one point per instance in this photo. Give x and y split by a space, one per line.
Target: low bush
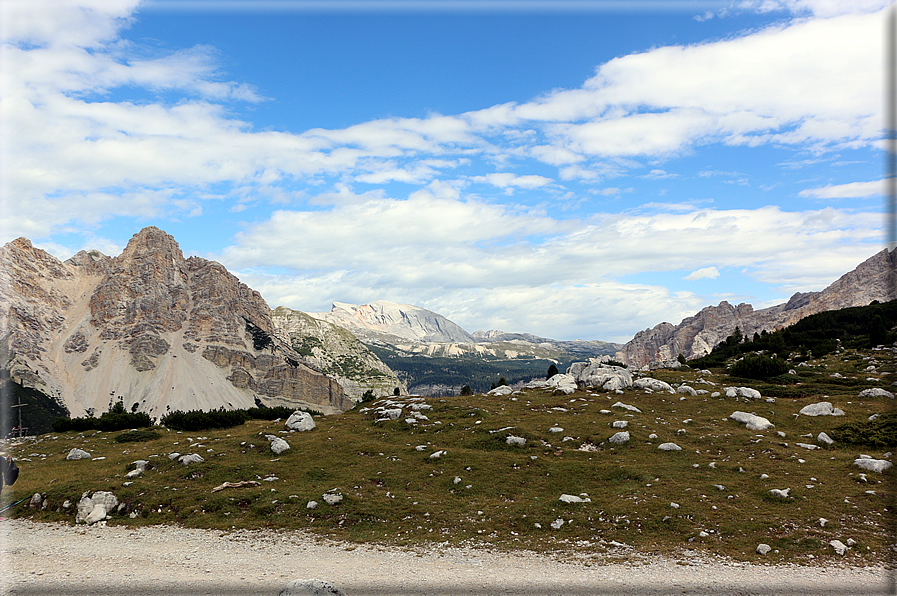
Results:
266 413
878 433
115 419
758 366
198 420
137 436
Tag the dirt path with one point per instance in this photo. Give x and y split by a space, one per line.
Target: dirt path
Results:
56 559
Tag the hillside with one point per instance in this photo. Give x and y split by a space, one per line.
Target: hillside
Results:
874 279
531 469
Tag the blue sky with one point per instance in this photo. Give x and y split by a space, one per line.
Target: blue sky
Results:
579 169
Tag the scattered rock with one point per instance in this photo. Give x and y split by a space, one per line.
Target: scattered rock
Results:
763 549
600 375
751 421
876 392
311 504
561 382
95 508
873 465
620 437
556 524
500 391
173 455
781 493
652 384
513 440
555 429
278 445
620 424
823 408
824 438
76 453
438 454
332 498
620 404
300 421
310 587
193 458
746 392
839 546
573 499
807 446
685 389
669 447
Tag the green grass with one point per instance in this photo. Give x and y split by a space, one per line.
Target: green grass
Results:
395 494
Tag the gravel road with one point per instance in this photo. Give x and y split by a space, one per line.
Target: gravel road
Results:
55 559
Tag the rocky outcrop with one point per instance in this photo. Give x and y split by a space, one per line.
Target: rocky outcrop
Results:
337 353
151 328
696 336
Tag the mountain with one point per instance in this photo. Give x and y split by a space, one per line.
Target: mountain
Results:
435 356
696 336
338 353
382 319
151 328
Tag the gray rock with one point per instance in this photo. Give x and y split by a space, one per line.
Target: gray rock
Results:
512 440
620 437
173 455
332 498
686 390
600 375
565 383
652 384
751 421
96 514
669 447
300 421
782 493
746 392
876 392
763 549
824 438
310 587
311 504
823 408
873 465
620 404
620 424
76 453
278 445
193 458
36 500
565 498
839 546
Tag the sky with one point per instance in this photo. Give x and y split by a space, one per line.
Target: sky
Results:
576 169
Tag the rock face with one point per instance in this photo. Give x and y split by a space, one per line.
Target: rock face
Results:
337 353
696 336
150 327
401 320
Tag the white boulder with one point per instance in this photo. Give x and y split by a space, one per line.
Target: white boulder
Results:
873 465
876 392
193 458
514 440
839 546
782 493
746 392
278 445
686 390
600 375
332 498
95 508
824 438
573 499
620 423
763 549
669 447
620 404
751 421
652 384
620 437
562 382
823 408
310 587
78 454
300 421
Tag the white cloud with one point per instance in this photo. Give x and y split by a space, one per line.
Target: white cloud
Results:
703 273
844 191
506 180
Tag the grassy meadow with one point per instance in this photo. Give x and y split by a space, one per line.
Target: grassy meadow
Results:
482 491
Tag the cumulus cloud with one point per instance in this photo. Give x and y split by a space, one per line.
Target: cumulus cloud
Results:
703 273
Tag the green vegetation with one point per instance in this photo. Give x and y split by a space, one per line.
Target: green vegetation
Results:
138 436
116 418
479 374
38 411
814 336
758 366
552 370
395 494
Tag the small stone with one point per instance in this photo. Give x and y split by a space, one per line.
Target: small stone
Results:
839 546
620 437
311 504
763 549
332 498
669 447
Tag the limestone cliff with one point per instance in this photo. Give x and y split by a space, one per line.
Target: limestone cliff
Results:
696 336
150 327
338 353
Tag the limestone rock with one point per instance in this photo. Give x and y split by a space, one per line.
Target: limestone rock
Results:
620 437
652 384
332 498
873 465
822 408
310 587
742 392
562 382
782 493
751 421
620 404
512 440
76 453
193 458
876 392
763 549
686 390
824 438
669 447
300 421
839 547
600 375
696 336
278 445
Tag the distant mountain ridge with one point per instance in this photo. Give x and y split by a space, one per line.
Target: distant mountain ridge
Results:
695 336
383 318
